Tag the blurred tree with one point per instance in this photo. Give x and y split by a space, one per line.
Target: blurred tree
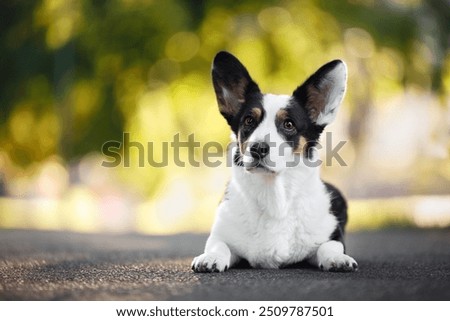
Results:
75 74
406 26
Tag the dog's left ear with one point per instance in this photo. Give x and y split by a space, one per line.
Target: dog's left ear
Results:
322 93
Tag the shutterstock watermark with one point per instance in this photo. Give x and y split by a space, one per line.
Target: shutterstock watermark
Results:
159 154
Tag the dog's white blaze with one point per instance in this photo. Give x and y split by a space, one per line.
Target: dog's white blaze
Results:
271 104
280 153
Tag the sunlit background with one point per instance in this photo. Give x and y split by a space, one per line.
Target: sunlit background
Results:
76 74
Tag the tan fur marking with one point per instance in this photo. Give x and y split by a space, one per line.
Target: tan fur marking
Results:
301 145
256 113
281 115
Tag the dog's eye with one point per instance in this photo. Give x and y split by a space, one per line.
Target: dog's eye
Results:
248 120
288 125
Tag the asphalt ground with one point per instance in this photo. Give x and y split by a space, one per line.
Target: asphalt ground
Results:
399 264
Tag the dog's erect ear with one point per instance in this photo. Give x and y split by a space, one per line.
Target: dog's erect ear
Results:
322 93
232 84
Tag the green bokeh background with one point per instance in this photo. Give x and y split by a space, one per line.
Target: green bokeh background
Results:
76 74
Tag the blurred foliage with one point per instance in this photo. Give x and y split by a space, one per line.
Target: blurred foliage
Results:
403 25
76 74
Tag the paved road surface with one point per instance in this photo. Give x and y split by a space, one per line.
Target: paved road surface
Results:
394 265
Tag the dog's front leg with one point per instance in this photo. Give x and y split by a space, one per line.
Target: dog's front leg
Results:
217 257
330 256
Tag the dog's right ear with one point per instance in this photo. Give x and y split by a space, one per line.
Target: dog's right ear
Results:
232 84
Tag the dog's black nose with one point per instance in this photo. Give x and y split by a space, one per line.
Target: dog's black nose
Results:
259 150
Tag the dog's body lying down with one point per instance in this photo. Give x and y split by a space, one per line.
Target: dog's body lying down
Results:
276 210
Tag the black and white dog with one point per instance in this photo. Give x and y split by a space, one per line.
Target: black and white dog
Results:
276 210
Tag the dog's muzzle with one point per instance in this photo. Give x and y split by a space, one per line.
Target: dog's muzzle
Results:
258 151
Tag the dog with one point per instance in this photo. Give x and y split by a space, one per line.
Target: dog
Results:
276 210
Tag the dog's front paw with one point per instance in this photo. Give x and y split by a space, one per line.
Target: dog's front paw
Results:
208 262
339 263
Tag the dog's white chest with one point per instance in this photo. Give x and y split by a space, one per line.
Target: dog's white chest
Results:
271 228
275 243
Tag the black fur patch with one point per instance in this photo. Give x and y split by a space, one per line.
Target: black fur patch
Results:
339 210
304 127
229 74
244 131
